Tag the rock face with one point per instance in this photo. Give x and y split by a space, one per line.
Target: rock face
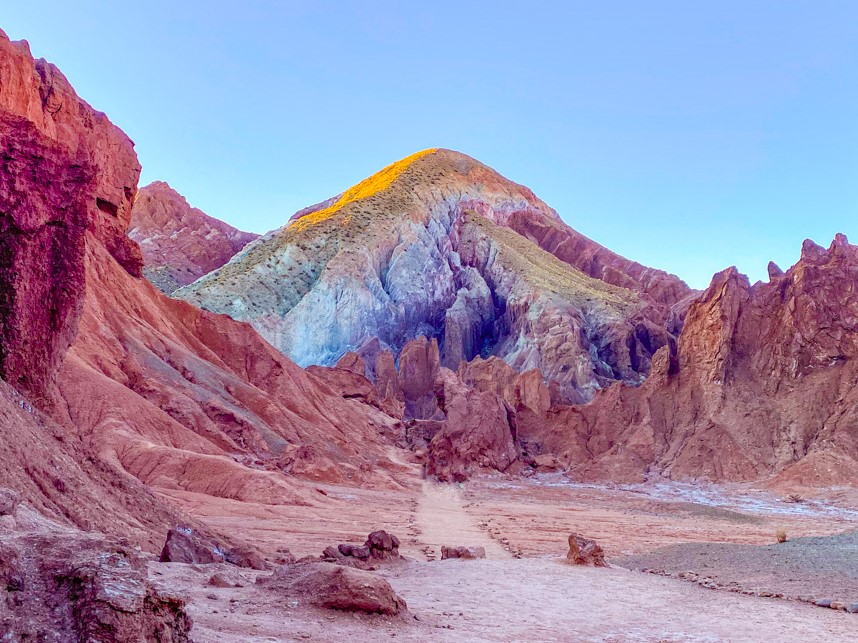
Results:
335 587
479 433
118 383
763 384
65 171
180 244
430 246
74 587
67 179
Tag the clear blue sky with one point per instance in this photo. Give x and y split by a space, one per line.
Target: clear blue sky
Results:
685 135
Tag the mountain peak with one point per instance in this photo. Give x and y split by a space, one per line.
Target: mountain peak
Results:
180 243
438 244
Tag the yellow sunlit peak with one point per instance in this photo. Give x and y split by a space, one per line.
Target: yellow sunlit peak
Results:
376 183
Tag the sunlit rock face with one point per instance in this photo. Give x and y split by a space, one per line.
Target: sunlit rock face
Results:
435 245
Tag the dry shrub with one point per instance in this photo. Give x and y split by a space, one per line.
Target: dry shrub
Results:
781 535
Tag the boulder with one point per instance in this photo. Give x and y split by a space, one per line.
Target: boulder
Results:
380 546
355 551
383 546
225 579
335 587
9 500
188 545
583 551
468 553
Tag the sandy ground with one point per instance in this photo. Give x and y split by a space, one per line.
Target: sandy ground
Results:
810 569
513 600
535 516
506 598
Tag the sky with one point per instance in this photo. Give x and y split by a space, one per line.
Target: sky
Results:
687 136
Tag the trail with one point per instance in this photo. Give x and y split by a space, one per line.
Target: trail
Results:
441 519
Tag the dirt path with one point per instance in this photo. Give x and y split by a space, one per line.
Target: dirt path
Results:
441 519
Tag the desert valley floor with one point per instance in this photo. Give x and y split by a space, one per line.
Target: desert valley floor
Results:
524 590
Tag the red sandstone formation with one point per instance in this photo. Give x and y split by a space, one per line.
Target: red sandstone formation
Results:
479 433
70 586
763 384
66 171
180 244
142 384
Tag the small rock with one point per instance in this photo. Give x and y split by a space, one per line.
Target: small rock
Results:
838 605
823 602
187 545
467 553
852 608
221 580
9 500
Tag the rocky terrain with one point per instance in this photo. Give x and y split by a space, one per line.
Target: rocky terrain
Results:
169 473
180 244
762 386
429 246
525 310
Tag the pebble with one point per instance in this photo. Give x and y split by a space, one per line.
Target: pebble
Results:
852 608
823 602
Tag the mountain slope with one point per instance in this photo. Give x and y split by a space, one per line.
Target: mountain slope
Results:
116 383
384 260
764 384
180 243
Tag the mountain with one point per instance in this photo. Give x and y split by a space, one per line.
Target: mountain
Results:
109 382
180 243
439 245
763 385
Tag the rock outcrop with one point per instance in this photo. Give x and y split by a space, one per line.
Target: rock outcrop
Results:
763 384
186 545
478 433
65 171
180 244
436 245
118 383
74 587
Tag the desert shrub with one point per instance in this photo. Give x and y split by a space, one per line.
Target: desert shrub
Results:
781 535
